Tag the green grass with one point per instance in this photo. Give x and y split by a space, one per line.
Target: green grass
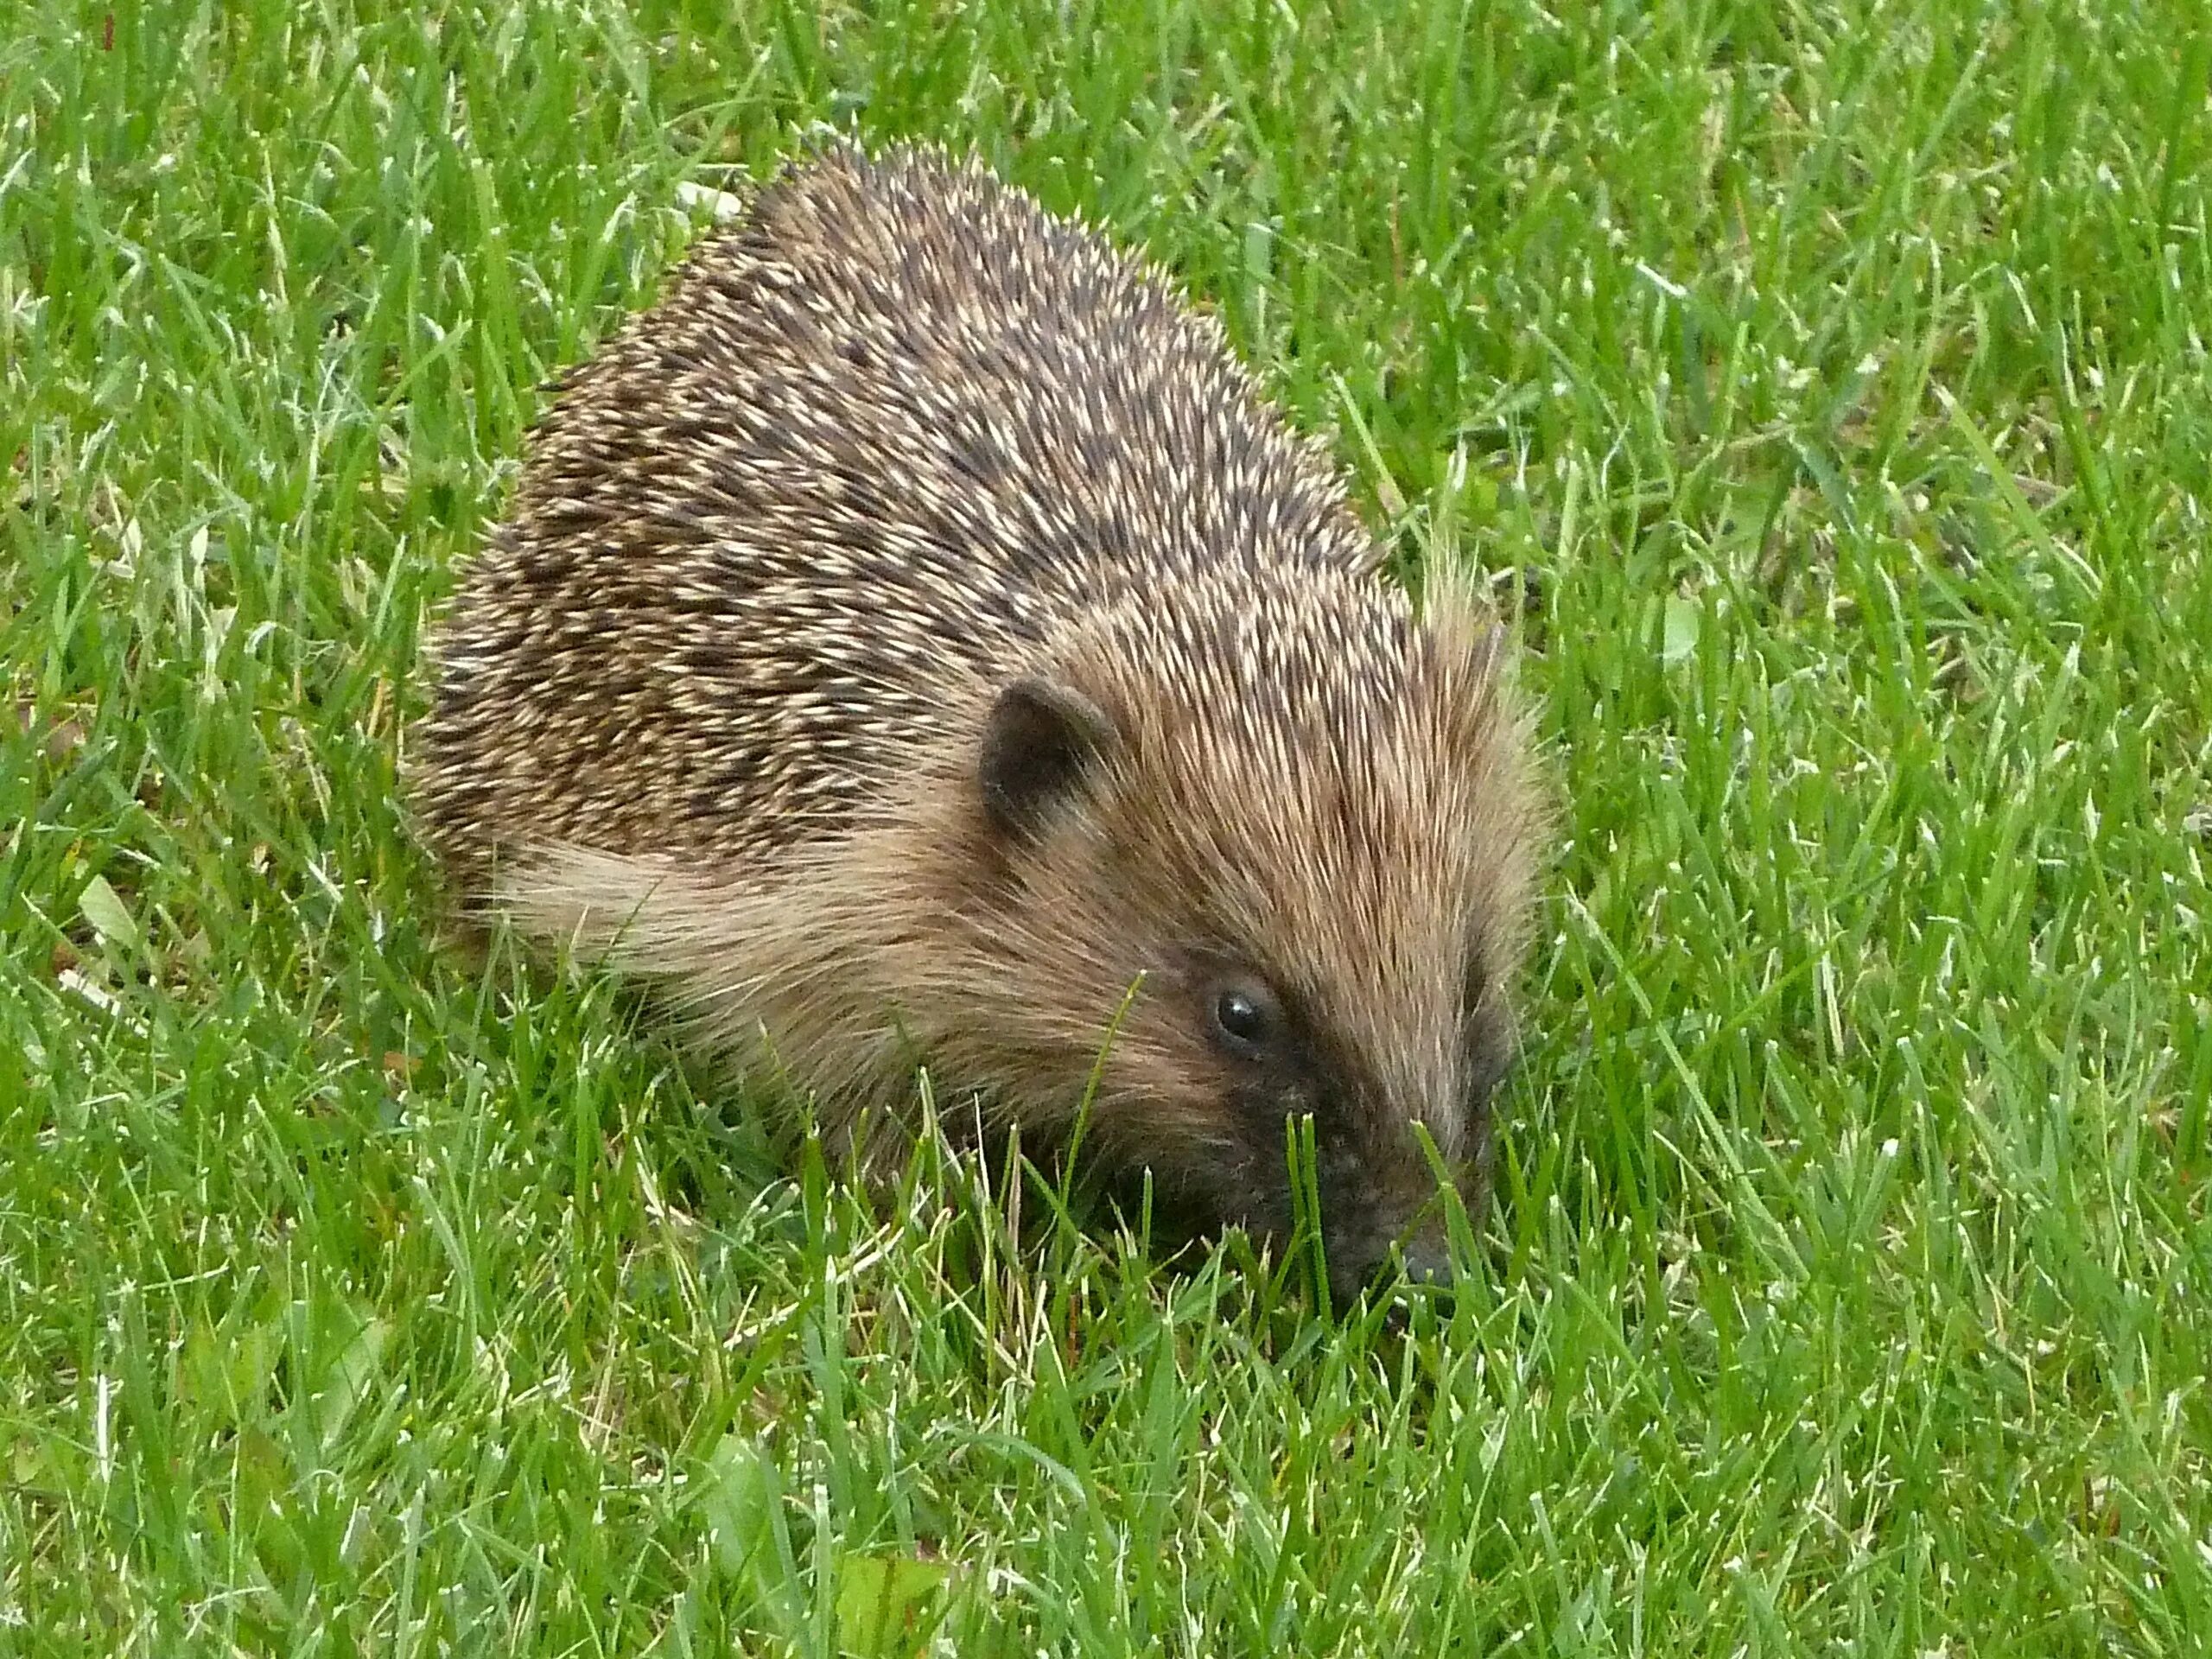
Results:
1833 376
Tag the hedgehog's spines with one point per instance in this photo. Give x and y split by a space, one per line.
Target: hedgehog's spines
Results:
716 703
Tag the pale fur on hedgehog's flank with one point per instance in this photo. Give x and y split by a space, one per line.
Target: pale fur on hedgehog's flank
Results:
712 701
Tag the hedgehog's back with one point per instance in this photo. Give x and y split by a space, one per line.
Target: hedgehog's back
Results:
880 444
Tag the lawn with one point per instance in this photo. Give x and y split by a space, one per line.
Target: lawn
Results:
1825 385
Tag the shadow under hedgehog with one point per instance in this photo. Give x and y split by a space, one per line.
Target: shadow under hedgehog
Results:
915 637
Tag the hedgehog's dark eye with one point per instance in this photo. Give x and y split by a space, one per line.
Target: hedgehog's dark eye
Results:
1246 1016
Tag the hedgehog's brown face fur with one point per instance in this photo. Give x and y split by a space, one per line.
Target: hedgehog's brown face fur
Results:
1312 880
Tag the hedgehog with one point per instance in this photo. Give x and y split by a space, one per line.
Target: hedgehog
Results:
917 643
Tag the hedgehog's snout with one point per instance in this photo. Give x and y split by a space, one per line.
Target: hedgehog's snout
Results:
1425 1259
1383 1222
1372 1254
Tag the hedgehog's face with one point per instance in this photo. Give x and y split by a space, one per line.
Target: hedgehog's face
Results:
1315 893
1254 1060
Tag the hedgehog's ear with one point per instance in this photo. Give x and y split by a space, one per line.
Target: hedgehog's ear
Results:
1039 740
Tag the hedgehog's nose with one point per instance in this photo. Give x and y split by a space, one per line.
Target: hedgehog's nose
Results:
1426 1260
1423 1262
